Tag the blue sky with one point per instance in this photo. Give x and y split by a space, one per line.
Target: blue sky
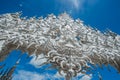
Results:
100 14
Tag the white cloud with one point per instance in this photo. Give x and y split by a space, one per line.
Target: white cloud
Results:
76 3
73 4
37 61
26 75
85 77
80 4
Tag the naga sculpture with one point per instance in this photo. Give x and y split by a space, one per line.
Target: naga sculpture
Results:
67 44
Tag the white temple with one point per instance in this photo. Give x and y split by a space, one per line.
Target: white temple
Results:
67 44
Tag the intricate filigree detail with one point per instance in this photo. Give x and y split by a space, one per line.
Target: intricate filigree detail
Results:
67 44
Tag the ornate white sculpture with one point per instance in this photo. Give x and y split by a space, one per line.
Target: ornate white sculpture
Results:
67 44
